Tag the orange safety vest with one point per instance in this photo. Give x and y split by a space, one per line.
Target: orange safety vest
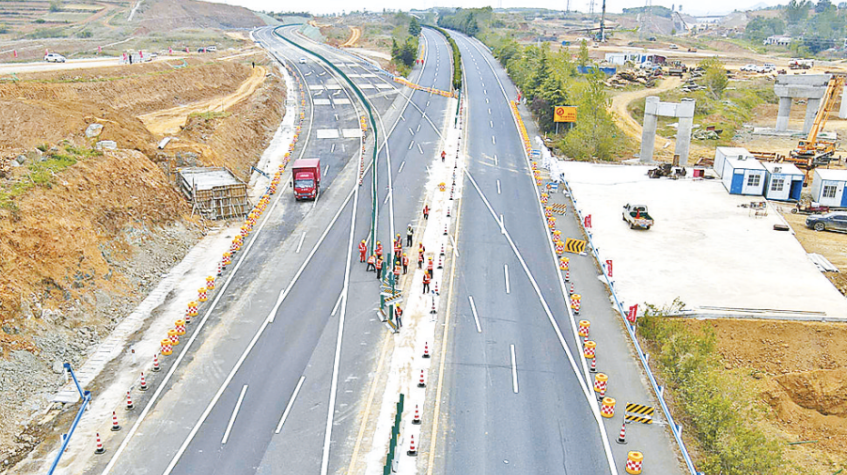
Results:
362 247
371 259
426 209
396 270
429 265
398 311
379 263
405 261
379 250
426 278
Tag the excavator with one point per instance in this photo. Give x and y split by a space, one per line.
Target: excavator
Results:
812 152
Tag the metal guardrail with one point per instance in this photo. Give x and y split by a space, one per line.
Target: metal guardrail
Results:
388 468
66 438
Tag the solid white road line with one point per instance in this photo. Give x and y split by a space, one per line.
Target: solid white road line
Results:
401 167
514 372
506 273
234 414
337 303
290 403
498 187
475 316
300 244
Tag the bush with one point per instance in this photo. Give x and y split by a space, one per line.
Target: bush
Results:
457 57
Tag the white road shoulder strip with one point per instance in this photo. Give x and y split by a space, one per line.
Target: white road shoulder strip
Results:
514 372
475 315
506 274
290 403
234 415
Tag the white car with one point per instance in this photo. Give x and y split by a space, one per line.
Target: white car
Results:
752 68
673 46
54 58
302 60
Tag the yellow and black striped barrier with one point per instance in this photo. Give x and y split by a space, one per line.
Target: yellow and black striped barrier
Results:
638 413
576 246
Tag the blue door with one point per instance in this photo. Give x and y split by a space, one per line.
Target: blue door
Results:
737 182
796 189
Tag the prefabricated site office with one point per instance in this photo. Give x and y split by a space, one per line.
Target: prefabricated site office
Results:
784 181
743 176
828 187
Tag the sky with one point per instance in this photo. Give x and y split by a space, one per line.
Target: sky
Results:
615 6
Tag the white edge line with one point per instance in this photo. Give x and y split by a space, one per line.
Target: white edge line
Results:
234 414
300 244
506 273
337 303
290 403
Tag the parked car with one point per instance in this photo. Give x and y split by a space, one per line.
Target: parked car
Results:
750 68
828 222
302 60
673 46
54 58
769 67
637 216
211 49
652 38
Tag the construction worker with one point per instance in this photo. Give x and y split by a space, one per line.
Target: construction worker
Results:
363 251
410 233
420 260
396 272
398 245
443 156
426 281
426 211
429 267
405 264
371 263
378 250
378 268
398 314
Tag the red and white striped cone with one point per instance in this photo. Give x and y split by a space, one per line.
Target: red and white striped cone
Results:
155 362
440 263
437 292
421 383
593 365
143 386
412 450
220 271
187 317
129 404
445 229
567 276
115 426
99 450
570 290
622 435
442 249
417 419
448 211
576 308
426 350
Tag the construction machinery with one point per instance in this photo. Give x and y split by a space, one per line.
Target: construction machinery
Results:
811 151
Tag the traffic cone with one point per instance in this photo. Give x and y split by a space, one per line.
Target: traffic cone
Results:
622 435
155 362
445 229
594 365
220 271
412 450
100 449
567 276
440 263
436 288
448 211
417 419
433 311
442 249
143 383
421 383
129 401
115 426
571 289
426 350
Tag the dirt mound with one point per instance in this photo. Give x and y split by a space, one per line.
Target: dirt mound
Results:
799 370
166 15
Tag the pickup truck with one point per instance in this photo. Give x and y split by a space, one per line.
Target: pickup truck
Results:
637 216
306 178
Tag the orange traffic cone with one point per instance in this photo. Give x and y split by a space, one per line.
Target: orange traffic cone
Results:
426 350
100 449
115 425
417 419
622 436
412 450
155 362
421 383
129 401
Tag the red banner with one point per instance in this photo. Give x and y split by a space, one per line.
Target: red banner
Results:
633 312
609 267
587 221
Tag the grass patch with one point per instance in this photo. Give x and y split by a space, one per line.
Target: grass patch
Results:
715 404
209 115
41 173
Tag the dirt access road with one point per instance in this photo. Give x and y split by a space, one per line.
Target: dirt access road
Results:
169 121
355 34
626 122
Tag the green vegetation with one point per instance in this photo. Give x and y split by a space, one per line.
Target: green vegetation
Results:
404 44
42 172
56 6
457 58
468 21
759 28
414 27
714 403
814 26
209 115
714 76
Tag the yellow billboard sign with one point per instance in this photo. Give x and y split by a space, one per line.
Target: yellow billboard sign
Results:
564 114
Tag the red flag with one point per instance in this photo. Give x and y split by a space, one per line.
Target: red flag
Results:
632 314
99 49
141 54
609 267
587 221
15 52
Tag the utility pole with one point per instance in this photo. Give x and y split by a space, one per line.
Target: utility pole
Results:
603 24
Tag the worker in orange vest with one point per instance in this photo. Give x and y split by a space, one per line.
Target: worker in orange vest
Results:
371 263
378 268
378 250
420 260
405 264
429 267
443 156
426 211
426 281
398 313
363 251
396 272
398 245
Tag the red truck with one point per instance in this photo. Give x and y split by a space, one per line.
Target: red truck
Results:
306 178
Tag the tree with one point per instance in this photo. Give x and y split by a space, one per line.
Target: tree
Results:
759 28
795 11
715 76
593 136
823 5
56 6
584 59
414 27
